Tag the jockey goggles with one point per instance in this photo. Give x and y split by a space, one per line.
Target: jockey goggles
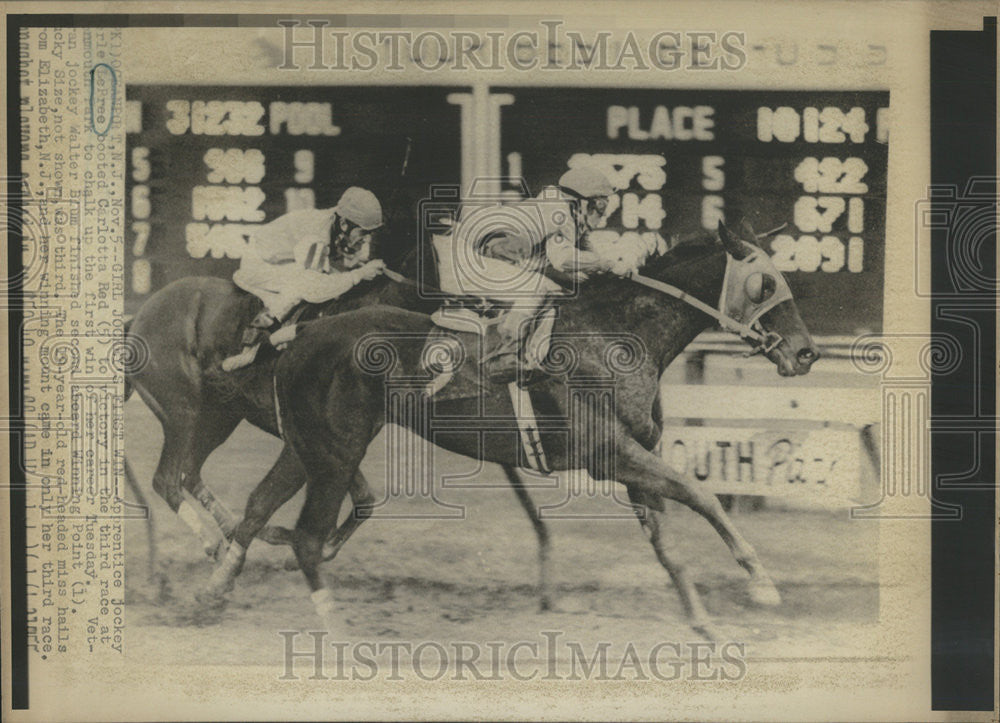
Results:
351 238
586 205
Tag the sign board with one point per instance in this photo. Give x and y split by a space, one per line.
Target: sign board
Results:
207 165
815 463
683 159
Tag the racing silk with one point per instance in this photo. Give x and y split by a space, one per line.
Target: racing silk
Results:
300 236
547 232
288 261
497 251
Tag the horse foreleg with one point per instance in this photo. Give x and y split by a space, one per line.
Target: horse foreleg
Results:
175 460
647 473
697 616
361 509
324 496
541 531
281 482
362 500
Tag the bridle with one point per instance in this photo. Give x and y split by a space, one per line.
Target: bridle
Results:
753 332
735 312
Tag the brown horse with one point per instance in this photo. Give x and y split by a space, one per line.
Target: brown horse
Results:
354 362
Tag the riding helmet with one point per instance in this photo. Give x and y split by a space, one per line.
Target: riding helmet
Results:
586 182
360 207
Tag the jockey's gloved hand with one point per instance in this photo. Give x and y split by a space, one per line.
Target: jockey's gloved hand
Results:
370 270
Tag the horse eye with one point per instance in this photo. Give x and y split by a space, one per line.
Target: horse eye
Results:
760 287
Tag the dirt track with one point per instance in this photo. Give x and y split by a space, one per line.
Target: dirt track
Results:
474 579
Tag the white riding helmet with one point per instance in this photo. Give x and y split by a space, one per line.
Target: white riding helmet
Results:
586 182
360 207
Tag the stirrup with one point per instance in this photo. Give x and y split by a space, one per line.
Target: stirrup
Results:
508 368
244 359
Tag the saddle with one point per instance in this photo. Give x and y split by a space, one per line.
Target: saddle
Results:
453 356
279 338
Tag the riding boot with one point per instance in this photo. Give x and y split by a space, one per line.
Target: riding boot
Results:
253 336
503 361
263 323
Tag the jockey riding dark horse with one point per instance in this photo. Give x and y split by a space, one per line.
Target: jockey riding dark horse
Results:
191 326
312 256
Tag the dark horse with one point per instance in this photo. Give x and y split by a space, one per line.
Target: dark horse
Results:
177 340
331 389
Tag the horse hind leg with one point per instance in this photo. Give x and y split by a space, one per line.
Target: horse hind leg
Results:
186 445
225 519
188 441
175 460
324 496
208 432
541 531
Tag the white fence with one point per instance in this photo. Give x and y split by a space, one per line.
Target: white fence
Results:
740 429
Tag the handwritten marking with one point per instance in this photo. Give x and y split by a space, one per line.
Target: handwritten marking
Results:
102 103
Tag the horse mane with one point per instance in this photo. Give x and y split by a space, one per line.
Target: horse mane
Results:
668 266
680 255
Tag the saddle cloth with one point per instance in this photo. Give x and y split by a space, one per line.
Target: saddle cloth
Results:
456 346
452 355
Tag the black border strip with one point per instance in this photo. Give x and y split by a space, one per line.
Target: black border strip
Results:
963 147
15 356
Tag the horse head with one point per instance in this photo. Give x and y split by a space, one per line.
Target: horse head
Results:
756 295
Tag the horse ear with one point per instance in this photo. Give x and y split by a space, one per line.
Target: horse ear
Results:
748 233
732 244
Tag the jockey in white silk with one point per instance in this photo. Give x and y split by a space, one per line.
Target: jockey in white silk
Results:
312 255
549 234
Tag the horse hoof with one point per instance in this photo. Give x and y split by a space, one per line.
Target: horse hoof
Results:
218 551
545 604
764 593
291 564
222 582
211 600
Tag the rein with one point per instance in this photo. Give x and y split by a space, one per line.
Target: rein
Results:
754 332
727 322
400 279
765 341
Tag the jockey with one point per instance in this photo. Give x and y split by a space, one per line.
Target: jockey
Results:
311 255
582 195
